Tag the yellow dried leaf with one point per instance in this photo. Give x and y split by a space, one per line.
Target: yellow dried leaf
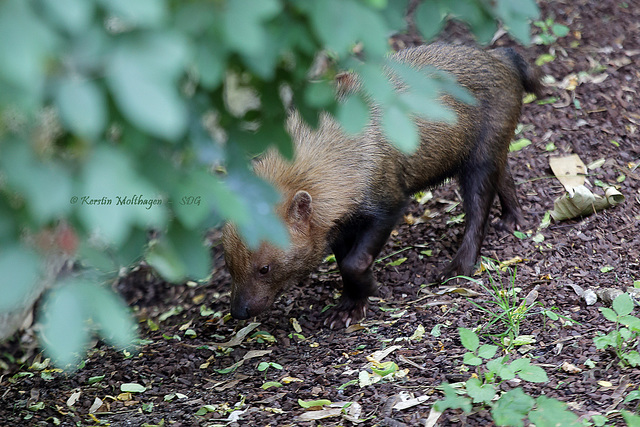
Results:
296 325
124 397
570 368
570 170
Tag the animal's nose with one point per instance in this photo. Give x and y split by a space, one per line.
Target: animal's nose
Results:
240 311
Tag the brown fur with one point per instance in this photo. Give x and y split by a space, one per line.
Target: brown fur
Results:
346 192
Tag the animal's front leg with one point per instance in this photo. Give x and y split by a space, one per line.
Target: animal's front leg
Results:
355 253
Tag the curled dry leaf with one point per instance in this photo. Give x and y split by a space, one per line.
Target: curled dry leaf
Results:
607 295
580 201
570 368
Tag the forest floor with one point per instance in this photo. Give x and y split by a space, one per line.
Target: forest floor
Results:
197 366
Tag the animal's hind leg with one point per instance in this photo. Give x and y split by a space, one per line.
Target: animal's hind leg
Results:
511 211
478 183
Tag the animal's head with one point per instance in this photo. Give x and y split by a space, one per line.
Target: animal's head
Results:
259 275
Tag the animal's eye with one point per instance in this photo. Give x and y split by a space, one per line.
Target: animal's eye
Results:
264 269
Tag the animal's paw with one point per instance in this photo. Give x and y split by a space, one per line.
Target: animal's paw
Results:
453 270
347 312
508 223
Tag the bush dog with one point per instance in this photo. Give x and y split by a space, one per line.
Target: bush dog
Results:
345 193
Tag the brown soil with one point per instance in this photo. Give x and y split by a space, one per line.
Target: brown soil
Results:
599 119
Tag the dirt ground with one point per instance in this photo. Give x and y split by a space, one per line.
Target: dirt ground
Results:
196 370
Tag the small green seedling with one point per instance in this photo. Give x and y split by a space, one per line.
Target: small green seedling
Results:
264 366
551 31
626 336
506 308
510 408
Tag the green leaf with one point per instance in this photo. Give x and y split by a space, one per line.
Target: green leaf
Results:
244 24
609 314
469 339
400 129
452 400
313 403
47 186
270 384
23 60
143 82
140 12
632 358
113 198
471 359
353 114
70 15
560 30
132 388
210 61
487 351
551 412
473 12
516 17
82 107
534 374
319 94
506 372
397 262
385 369
604 341
110 314
633 395
512 408
430 18
630 321
480 393
258 198
164 259
520 234
96 379
519 144
631 419
63 328
20 269
344 31
519 364
623 304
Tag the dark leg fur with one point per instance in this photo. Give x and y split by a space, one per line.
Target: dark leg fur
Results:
477 182
355 251
511 211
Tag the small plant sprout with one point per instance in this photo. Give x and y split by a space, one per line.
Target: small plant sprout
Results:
550 31
507 310
509 408
625 338
264 366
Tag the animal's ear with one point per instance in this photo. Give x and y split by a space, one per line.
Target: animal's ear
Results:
300 210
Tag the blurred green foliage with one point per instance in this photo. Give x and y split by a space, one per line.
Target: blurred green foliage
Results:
118 117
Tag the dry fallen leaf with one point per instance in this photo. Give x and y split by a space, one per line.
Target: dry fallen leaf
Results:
570 368
580 201
74 397
570 170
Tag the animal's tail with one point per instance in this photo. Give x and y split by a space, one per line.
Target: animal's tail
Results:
529 76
